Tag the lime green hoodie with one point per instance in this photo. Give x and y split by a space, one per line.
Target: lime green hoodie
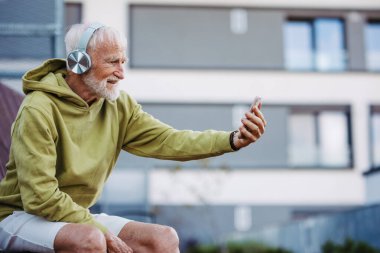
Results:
63 150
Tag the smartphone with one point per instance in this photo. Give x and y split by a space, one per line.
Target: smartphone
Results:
256 102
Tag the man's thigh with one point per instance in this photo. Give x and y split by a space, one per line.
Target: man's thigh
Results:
146 237
25 232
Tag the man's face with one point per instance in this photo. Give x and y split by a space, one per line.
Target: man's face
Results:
107 69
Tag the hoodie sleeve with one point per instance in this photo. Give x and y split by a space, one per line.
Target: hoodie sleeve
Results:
148 137
35 156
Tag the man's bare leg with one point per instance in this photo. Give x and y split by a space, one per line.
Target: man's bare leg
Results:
150 238
141 237
80 238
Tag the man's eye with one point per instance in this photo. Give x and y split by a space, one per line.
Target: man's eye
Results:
117 61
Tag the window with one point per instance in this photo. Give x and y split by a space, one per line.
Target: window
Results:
375 136
298 45
372 40
315 44
319 137
73 14
303 144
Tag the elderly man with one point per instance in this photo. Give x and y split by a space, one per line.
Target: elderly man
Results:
66 138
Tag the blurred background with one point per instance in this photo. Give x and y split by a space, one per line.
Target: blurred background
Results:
313 177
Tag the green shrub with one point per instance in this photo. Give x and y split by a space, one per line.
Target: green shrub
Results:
237 247
349 246
253 247
203 249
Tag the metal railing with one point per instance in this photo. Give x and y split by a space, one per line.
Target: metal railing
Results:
308 236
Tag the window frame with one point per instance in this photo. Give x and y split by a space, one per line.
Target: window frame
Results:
311 20
374 109
78 7
369 22
315 111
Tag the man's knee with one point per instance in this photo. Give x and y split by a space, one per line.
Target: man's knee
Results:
166 240
80 238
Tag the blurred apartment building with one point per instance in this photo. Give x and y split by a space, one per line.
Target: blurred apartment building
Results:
198 65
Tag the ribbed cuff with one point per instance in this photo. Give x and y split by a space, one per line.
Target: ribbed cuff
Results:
232 140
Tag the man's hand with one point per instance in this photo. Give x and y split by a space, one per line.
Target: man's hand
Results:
116 245
253 126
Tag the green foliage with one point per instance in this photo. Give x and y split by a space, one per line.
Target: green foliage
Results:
237 247
203 249
349 246
253 247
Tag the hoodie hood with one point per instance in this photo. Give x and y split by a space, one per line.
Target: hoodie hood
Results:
50 78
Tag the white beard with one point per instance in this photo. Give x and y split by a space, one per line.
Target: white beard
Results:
99 87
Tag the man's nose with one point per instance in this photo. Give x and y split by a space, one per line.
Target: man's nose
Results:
119 73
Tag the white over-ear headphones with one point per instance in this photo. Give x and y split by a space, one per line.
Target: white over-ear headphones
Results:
78 61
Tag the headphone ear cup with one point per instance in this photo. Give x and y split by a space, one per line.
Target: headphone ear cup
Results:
78 62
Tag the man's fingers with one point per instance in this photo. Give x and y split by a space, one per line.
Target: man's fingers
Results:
247 135
259 114
256 121
252 128
124 247
253 125
129 250
116 245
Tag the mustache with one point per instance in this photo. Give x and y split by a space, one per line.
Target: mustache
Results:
113 79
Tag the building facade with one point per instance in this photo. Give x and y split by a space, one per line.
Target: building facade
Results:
199 64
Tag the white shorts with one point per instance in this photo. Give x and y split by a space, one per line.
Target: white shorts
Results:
25 232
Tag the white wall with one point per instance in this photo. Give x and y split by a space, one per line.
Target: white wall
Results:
269 187
112 12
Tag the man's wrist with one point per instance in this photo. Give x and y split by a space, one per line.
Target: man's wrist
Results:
232 138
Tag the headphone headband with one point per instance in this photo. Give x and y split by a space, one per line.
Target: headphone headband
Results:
87 34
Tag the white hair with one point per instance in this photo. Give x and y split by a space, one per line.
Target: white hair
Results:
100 36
